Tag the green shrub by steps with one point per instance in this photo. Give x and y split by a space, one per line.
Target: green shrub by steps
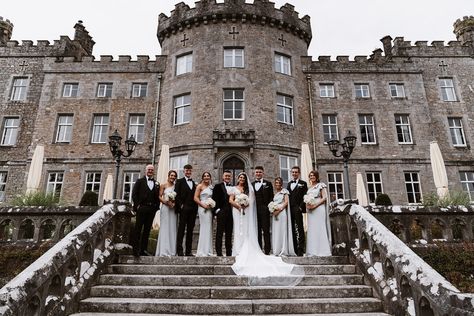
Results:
36 199
383 199
453 198
89 198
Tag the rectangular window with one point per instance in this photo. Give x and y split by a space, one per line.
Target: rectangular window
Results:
374 185
326 90
10 131
182 109
233 58
93 182
284 109
55 183
184 64
457 132
330 127
100 128
282 64
335 186
286 163
20 86
104 90
362 90
447 89
139 90
177 163
136 127
402 124
64 128
3 184
367 129
129 179
233 104
70 90
467 183
412 183
397 90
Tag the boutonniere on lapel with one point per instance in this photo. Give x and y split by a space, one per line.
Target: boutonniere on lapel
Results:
157 183
299 185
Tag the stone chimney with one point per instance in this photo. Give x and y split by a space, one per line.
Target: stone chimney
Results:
6 28
464 30
387 45
82 36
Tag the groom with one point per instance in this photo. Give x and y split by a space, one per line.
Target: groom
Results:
263 196
298 189
223 212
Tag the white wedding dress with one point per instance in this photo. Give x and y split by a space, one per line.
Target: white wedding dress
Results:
204 247
252 262
319 228
166 245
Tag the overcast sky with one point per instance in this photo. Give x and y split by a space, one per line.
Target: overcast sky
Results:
340 27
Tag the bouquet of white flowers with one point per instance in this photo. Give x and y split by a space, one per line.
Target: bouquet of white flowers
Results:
170 196
210 203
242 199
309 199
272 207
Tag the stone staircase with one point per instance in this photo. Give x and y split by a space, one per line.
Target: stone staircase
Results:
208 286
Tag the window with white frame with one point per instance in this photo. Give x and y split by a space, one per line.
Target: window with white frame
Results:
136 127
284 109
362 90
104 90
330 130
70 90
182 109
234 104
402 124
55 183
457 131
19 89
64 128
467 183
233 57
286 163
367 129
335 186
397 90
10 131
3 184
326 90
282 64
177 163
447 89
100 128
129 179
374 185
413 187
139 90
184 64
93 182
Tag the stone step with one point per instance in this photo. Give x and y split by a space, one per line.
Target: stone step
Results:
134 314
214 269
214 306
226 260
223 280
231 292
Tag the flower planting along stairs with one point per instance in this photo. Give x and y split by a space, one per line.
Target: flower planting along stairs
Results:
208 286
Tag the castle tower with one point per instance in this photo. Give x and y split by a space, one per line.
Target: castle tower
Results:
464 30
6 28
234 88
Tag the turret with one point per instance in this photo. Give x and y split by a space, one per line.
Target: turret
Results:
6 28
464 30
82 36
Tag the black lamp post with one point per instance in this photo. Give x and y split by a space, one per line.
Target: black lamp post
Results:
115 140
344 150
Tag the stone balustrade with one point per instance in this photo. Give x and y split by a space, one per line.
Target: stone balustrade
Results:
406 284
54 284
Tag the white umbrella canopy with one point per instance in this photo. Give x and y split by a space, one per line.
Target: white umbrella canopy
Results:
439 169
306 167
361 192
162 176
108 188
36 167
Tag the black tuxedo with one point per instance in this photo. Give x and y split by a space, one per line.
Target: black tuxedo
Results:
187 210
297 208
262 197
145 204
225 221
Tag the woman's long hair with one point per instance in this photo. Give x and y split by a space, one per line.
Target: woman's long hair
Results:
314 173
210 177
246 184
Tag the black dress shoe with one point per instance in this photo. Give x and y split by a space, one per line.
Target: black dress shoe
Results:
189 255
180 254
136 254
145 253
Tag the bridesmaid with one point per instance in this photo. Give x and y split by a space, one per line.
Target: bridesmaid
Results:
201 196
319 228
168 218
282 236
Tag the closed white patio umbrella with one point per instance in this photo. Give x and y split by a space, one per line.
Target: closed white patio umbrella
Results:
306 167
440 176
108 193
162 176
361 192
36 168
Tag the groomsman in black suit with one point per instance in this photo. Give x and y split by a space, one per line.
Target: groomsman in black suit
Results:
146 202
263 195
223 212
187 210
297 189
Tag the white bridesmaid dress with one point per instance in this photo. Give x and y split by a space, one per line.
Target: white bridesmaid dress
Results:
318 238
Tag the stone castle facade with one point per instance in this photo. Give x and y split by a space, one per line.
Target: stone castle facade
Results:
233 89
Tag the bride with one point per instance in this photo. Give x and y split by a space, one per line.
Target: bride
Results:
250 260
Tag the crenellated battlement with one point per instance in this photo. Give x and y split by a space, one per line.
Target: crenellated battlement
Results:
41 48
208 11
6 29
401 47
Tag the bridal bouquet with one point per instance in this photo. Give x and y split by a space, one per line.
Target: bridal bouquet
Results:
272 207
309 199
242 200
210 203
170 196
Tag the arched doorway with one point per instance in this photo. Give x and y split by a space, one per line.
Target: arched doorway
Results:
235 166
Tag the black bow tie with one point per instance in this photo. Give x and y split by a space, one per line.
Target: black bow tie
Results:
293 181
259 181
189 179
151 179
